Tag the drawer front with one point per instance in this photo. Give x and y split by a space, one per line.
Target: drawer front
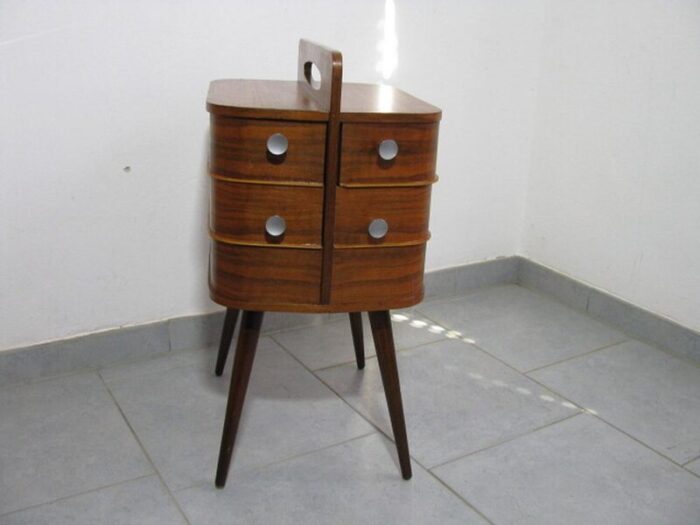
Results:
267 150
266 215
385 154
378 278
246 275
381 216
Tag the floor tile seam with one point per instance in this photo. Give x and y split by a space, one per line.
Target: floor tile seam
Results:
577 356
638 440
455 296
522 374
586 313
612 425
78 494
459 496
377 428
610 324
237 472
148 373
508 439
626 335
145 452
450 489
324 383
324 320
696 474
413 458
38 380
371 357
97 369
690 461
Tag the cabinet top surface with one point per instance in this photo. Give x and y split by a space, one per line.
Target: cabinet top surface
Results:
287 100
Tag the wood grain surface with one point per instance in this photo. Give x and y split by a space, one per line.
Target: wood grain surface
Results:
238 149
406 210
378 276
360 163
239 212
263 99
250 275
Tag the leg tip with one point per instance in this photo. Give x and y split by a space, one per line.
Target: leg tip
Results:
407 476
360 366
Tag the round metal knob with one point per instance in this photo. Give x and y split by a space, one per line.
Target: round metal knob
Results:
378 228
388 149
275 226
277 144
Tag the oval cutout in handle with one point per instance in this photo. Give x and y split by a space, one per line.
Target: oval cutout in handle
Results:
275 226
378 228
312 75
388 149
277 144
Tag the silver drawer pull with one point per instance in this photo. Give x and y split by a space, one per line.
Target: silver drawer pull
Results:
277 144
378 228
275 226
388 149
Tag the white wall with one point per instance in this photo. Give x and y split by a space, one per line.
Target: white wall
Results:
88 88
614 191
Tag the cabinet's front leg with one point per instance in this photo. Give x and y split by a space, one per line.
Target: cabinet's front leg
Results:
386 357
226 336
358 338
242 365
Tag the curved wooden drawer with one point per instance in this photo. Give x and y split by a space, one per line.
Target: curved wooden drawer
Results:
361 165
239 212
242 275
406 211
378 278
239 150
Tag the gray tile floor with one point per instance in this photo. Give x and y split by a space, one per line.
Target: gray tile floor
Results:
519 410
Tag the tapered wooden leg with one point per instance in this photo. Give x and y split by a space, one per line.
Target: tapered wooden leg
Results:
242 365
358 338
226 336
386 357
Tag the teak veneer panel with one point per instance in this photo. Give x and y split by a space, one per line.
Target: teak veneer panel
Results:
406 210
382 103
256 276
263 99
360 163
291 100
379 277
239 212
239 150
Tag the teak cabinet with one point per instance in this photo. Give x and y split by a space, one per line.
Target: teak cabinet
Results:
320 200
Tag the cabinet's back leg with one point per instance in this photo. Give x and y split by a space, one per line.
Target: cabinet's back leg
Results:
358 338
242 365
226 336
386 357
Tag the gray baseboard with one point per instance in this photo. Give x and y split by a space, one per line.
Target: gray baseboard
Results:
625 316
97 350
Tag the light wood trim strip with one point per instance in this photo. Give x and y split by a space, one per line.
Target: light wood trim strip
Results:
227 240
383 244
388 184
304 184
